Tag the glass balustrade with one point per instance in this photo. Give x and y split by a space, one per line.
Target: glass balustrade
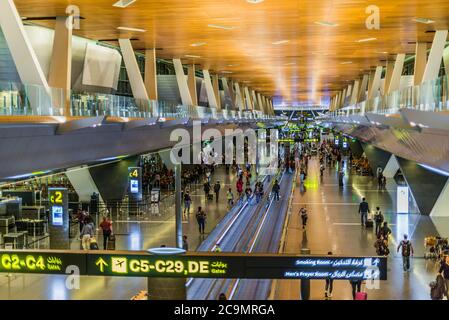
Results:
17 99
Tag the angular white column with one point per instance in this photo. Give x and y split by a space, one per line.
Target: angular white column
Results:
397 72
441 206
388 73
209 90
150 74
182 83
259 102
254 100
228 91
133 71
375 84
216 87
248 103
435 56
420 62
191 80
239 97
362 90
391 168
343 98
23 54
355 92
60 74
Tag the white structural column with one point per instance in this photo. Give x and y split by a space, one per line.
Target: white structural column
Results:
60 75
255 101
355 92
388 73
391 168
271 107
191 81
259 102
150 74
228 91
25 59
362 90
375 84
420 62
209 90
133 71
343 98
238 97
441 207
182 83
397 72
435 56
249 105
216 86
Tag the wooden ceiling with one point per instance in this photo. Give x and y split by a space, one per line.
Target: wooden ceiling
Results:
312 65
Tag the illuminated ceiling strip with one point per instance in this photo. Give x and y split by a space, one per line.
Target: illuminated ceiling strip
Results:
435 170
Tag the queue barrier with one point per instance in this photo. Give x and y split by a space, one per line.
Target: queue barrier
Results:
193 265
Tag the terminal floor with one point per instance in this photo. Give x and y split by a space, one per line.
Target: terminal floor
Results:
334 225
136 233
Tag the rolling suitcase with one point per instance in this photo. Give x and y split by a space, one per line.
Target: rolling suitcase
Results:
361 296
111 243
210 197
369 223
93 244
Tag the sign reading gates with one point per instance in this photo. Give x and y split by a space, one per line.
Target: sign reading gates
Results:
239 266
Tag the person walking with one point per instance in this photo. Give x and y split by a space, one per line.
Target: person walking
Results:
356 286
217 188
406 250
363 211
206 188
444 271
239 187
378 219
341 175
87 233
230 198
185 244
329 284
106 227
201 219
187 202
276 189
304 216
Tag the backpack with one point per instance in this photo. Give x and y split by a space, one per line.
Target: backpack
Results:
405 248
379 217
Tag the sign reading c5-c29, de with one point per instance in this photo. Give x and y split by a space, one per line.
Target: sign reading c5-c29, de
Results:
198 265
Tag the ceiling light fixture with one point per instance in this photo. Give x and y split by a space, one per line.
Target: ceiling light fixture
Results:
123 3
217 26
289 64
345 62
233 65
198 44
131 29
225 71
423 20
366 40
254 1
326 23
191 56
382 52
280 42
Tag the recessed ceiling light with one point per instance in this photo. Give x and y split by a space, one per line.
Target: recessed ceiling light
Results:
423 20
366 39
233 65
345 62
382 52
198 44
123 3
280 42
131 29
225 71
326 23
254 1
217 26
289 64
191 56
24 18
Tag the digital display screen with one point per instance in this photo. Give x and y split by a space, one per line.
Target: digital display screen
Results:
57 213
134 185
402 200
345 145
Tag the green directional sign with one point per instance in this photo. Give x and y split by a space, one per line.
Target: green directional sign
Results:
194 265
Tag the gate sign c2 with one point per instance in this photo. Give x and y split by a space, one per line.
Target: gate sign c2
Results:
195 265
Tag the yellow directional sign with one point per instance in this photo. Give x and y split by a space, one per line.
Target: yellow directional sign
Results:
101 263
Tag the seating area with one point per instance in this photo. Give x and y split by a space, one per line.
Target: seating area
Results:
361 166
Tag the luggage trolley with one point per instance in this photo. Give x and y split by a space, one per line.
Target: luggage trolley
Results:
430 248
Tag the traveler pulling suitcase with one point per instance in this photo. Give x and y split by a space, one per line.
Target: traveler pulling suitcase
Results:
210 197
361 296
369 223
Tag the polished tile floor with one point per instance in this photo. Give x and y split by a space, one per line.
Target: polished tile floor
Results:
334 225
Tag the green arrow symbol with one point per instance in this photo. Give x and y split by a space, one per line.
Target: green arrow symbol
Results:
100 262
